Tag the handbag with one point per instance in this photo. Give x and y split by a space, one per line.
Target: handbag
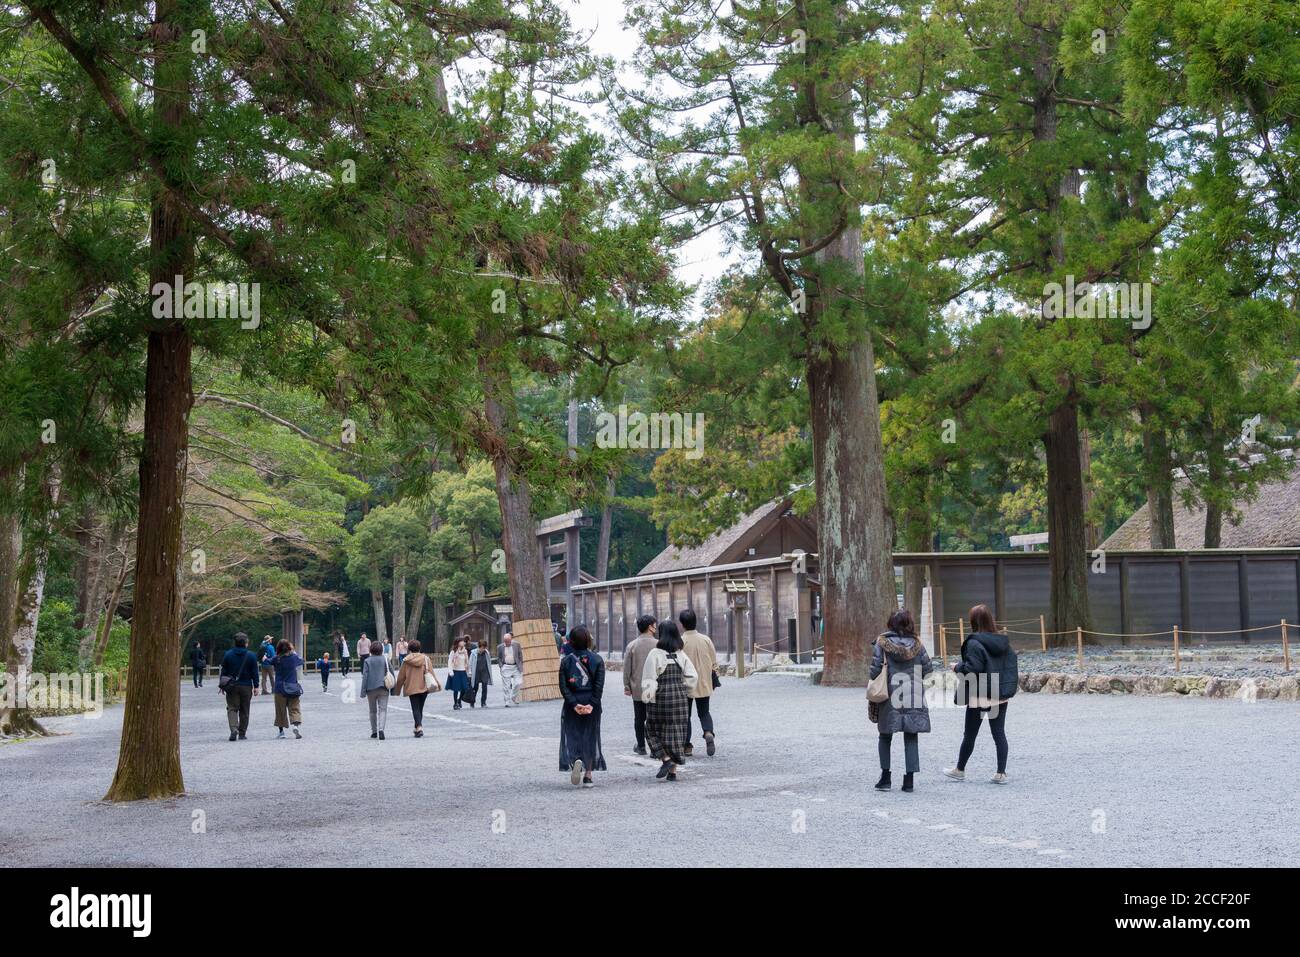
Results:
431 681
717 682
225 681
390 679
878 687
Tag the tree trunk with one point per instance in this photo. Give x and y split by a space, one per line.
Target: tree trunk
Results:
1215 467
1067 544
417 609
399 603
21 574
105 630
528 588
1067 535
1092 534
377 603
606 529
853 536
149 762
1159 483
439 625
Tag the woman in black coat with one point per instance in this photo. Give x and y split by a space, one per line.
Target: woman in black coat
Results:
582 682
988 677
905 710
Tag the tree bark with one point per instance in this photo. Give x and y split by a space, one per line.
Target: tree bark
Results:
1067 542
1215 467
377 603
1067 534
399 603
149 761
606 529
1159 483
853 538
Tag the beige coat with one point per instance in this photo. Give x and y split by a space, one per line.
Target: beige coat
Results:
410 677
699 648
634 663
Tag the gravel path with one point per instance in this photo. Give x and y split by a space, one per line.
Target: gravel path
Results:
1096 780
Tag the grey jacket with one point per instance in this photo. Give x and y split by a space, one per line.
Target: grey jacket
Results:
372 674
905 709
519 655
634 663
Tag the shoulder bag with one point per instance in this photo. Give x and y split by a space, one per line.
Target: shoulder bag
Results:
878 687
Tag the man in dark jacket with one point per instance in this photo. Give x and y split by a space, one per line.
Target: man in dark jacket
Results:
239 666
198 664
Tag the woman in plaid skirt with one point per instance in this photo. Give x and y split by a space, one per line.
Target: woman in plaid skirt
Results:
667 680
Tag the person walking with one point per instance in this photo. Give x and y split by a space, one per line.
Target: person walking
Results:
376 680
403 648
415 679
363 651
324 666
266 657
388 650
510 656
238 682
458 672
899 650
480 672
699 648
633 664
345 658
582 682
989 677
288 692
667 679
198 664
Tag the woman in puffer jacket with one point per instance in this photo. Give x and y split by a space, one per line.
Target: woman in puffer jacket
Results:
902 652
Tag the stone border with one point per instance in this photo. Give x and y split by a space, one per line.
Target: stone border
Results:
1284 688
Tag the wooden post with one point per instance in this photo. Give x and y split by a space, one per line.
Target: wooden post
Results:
740 652
1078 631
943 645
1286 648
1042 630
961 630
1178 658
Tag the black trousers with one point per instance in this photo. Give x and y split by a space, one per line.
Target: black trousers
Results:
638 722
417 707
345 665
997 727
701 705
198 677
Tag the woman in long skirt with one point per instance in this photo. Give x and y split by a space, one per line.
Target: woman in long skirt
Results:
667 679
582 681
458 672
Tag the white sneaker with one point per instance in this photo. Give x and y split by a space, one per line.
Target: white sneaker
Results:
588 784
296 732
955 774
999 779
575 773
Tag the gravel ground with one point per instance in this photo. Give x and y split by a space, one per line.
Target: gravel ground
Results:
1258 661
1096 780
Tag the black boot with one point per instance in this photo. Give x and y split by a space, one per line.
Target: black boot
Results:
884 783
907 781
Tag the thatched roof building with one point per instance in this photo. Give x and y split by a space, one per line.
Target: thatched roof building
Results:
1272 520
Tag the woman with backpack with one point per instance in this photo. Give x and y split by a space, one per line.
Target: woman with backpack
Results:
902 657
582 682
415 679
989 677
288 692
667 679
